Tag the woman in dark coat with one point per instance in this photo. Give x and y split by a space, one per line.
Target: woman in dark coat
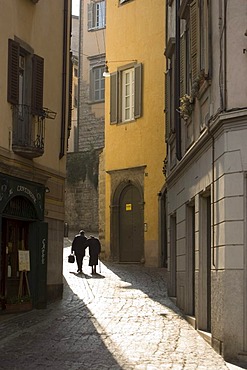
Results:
94 251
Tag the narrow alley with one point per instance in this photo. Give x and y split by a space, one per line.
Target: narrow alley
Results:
120 318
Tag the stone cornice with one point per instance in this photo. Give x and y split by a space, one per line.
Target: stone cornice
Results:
234 120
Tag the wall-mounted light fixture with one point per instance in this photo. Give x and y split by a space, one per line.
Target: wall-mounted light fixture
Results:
47 190
106 72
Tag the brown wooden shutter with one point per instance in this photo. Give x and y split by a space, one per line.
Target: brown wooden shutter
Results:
194 43
208 46
114 97
13 72
138 91
182 65
37 84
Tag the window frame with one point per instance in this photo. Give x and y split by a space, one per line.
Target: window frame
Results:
96 13
196 14
101 89
116 93
127 94
33 79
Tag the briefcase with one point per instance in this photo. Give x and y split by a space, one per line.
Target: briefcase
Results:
71 258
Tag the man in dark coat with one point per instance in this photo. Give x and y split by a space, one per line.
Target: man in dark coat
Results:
94 251
78 247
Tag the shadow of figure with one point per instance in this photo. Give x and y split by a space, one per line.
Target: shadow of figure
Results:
97 276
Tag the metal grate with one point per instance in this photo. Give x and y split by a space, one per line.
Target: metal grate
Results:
20 207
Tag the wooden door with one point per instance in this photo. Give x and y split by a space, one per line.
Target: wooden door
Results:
131 225
14 238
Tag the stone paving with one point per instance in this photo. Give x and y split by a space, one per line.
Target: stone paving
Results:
118 319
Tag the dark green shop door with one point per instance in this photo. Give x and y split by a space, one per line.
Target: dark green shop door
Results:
131 225
38 235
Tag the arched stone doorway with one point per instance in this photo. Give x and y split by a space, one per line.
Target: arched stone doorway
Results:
127 223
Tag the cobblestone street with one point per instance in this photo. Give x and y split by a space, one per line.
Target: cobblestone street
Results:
118 319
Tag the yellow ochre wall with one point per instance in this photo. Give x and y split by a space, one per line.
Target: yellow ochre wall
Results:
40 26
136 31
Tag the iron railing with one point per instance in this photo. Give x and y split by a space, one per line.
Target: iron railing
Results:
28 131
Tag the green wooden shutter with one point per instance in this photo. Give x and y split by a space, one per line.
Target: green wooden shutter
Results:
91 85
138 91
37 84
194 42
90 9
114 97
182 65
13 72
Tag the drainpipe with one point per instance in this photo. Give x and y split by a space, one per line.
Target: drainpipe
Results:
213 195
225 56
177 84
64 79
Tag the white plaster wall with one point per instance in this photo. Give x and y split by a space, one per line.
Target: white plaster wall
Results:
227 279
236 58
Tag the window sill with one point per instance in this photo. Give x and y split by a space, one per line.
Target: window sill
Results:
124 2
126 122
92 102
96 28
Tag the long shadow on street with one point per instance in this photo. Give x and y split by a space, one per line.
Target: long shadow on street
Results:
118 319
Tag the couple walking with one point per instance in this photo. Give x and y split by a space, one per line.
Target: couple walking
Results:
79 245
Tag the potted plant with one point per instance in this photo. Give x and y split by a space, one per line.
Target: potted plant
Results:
186 106
187 101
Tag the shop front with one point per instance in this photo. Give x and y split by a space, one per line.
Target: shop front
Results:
23 247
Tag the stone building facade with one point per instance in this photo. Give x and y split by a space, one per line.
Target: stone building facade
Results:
206 167
82 200
134 130
34 106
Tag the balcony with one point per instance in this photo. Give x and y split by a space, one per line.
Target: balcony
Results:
28 132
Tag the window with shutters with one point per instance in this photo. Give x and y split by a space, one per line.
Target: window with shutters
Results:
97 84
195 50
194 40
25 94
169 101
96 15
169 88
205 53
126 94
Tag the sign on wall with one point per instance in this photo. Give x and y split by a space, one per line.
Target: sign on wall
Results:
128 206
24 260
